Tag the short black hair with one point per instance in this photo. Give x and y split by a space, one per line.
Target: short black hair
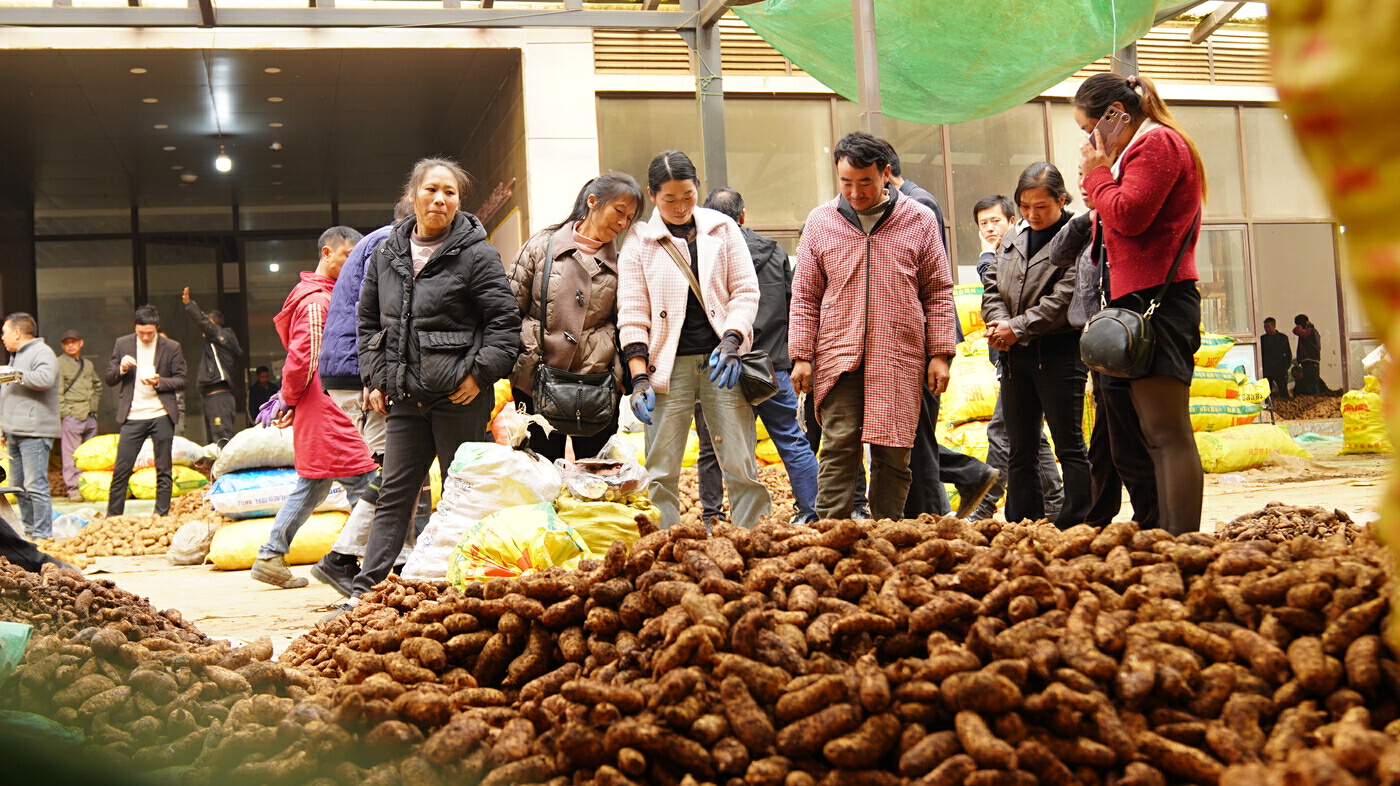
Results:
215 316
1267 320
727 201
336 236
24 323
1301 319
995 200
862 150
147 315
895 168
261 369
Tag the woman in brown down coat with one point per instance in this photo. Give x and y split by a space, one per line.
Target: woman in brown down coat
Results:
581 324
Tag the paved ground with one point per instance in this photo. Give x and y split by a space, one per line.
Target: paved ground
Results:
232 605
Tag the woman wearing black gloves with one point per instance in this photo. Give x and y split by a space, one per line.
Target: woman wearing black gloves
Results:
1025 305
687 298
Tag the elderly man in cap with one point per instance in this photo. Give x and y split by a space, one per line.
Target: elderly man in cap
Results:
80 391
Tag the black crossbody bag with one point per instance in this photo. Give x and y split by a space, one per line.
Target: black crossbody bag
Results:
579 405
1120 342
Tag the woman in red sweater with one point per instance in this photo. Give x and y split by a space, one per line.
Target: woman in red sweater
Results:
1147 184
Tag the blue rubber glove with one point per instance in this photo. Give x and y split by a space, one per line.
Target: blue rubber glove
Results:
724 361
272 411
643 398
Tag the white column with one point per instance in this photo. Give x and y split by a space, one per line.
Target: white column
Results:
561 121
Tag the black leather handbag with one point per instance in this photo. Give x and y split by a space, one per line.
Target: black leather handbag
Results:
579 405
758 380
1120 342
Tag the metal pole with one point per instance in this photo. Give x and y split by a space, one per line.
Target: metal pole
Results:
867 67
709 88
1125 61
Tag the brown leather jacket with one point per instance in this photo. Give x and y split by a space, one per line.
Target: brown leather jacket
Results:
582 324
1032 295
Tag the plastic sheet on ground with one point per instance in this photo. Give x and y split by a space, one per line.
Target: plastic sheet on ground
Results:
512 542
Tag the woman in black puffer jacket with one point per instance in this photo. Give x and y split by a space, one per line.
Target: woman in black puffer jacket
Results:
438 327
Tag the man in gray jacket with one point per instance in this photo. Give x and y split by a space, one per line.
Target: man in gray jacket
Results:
29 414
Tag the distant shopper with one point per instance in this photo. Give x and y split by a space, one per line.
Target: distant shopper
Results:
260 391
1309 357
770 334
856 352
80 390
581 326
1147 186
327 447
216 370
150 370
687 299
438 327
1277 358
1025 305
29 415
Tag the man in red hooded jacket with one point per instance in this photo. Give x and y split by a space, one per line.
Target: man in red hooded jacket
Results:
328 447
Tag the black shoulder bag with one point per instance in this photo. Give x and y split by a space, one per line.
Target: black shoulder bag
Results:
579 405
1120 342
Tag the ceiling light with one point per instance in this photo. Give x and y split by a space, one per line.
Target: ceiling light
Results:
274 125
279 166
138 70
177 167
168 148
275 146
272 70
277 182
150 100
273 267
274 99
223 163
160 126
189 177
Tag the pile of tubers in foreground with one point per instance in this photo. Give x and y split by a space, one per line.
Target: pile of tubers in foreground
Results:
931 652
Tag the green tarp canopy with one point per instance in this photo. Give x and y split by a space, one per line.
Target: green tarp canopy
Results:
949 61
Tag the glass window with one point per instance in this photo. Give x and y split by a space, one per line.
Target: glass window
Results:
171 267
1357 350
1065 140
1357 321
781 176
273 268
186 219
367 216
920 150
253 217
632 131
1216 134
83 222
1223 284
988 156
1280 182
86 285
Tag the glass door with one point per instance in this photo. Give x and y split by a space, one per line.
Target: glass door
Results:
170 267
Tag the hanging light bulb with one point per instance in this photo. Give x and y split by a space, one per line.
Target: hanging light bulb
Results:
223 163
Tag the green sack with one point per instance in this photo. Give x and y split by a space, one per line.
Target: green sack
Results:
943 62
14 640
36 729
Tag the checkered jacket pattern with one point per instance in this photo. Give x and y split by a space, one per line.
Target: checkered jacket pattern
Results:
882 302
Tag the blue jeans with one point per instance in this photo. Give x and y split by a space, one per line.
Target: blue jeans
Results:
302 502
779 415
29 469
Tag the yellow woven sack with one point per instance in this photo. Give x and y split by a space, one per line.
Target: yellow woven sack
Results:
969 438
1214 383
692 448
972 391
601 523
183 481
967 299
514 541
501 391
435 480
767 453
974 347
1363 420
235 546
1254 391
1213 349
98 454
1244 447
1217 414
95 485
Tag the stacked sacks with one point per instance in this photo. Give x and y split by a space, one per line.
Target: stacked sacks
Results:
98 456
1215 392
1363 420
966 407
1239 448
254 475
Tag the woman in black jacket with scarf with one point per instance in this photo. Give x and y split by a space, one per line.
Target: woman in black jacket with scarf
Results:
438 327
1025 304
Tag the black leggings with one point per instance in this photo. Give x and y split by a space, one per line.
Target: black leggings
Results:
1163 409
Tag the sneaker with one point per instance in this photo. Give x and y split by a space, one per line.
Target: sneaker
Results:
348 605
274 571
969 497
861 513
337 570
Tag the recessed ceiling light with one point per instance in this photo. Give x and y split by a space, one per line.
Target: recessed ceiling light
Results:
189 177
138 70
277 182
168 148
177 167
150 100
276 166
274 125
273 70
274 99
160 126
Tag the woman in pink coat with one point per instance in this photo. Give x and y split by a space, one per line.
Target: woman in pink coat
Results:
683 346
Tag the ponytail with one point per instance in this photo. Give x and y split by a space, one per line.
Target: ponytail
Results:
1139 97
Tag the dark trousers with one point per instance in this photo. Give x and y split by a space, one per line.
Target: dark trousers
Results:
814 438
219 411
417 433
134 433
1118 457
1311 383
999 453
1045 381
551 446
1278 381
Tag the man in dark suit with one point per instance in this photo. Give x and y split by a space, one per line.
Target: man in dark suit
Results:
150 370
